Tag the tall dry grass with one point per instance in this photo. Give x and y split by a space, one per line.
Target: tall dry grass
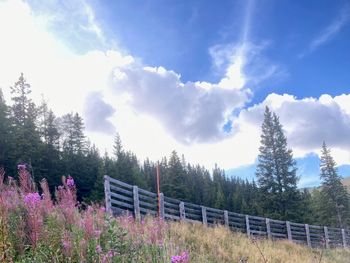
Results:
36 228
218 244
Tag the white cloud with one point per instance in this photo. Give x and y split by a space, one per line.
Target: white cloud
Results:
244 65
97 112
308 122
154 108
188 111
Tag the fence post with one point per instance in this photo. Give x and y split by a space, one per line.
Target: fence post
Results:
247 225
226 219
343 237
326 236
268 228
135 191
307 232
161 203
289 231
107 187
182 211
204 215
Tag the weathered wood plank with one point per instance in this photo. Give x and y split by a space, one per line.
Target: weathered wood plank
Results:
136 203
226 218
147 193
148 198
289 232
268 228
150 205
122 204
122 197
172 211
107 189
120 190
115 181
344 238
204 216
247 225
161 204
171 200
193 206
326 237
193 211
170 205
182 211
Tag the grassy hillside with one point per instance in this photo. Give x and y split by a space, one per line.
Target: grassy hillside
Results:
220 245
34 228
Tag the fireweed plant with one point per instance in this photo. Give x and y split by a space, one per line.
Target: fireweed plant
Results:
34 227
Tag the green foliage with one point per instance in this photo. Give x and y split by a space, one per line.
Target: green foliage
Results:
334 201
276 172
55 146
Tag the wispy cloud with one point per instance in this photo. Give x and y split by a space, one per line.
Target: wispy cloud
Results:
330 31
92 24
75 21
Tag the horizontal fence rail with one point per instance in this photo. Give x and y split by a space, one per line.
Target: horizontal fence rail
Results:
120 197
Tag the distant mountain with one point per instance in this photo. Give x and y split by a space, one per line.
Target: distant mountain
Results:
346 182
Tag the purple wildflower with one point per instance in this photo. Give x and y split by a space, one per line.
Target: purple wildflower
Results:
97 233
183 258
21 167
70 181
98 249
32 199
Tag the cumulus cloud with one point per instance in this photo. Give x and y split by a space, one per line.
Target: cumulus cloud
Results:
96 114
191 112
308 122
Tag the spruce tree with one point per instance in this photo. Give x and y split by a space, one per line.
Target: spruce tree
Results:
335 201
6 138
276 172
24 117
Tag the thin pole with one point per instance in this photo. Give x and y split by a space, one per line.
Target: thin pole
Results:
158 189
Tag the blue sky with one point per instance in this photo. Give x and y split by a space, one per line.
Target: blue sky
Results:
194 76
178 35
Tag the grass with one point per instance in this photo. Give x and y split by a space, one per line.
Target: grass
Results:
221 245
36 228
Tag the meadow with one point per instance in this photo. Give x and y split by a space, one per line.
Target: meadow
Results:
36 227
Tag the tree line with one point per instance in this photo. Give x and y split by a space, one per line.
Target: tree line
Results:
52 146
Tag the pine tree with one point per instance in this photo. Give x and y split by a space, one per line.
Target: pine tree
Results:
24 117
72 130
335 200
276 172
173 183
6 139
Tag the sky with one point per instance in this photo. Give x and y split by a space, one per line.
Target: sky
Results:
191 76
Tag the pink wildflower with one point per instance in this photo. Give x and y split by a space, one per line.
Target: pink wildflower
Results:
32 199
97 233
70 181
21 167
98 249
183 258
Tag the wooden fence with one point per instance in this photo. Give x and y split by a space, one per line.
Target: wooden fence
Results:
121 197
